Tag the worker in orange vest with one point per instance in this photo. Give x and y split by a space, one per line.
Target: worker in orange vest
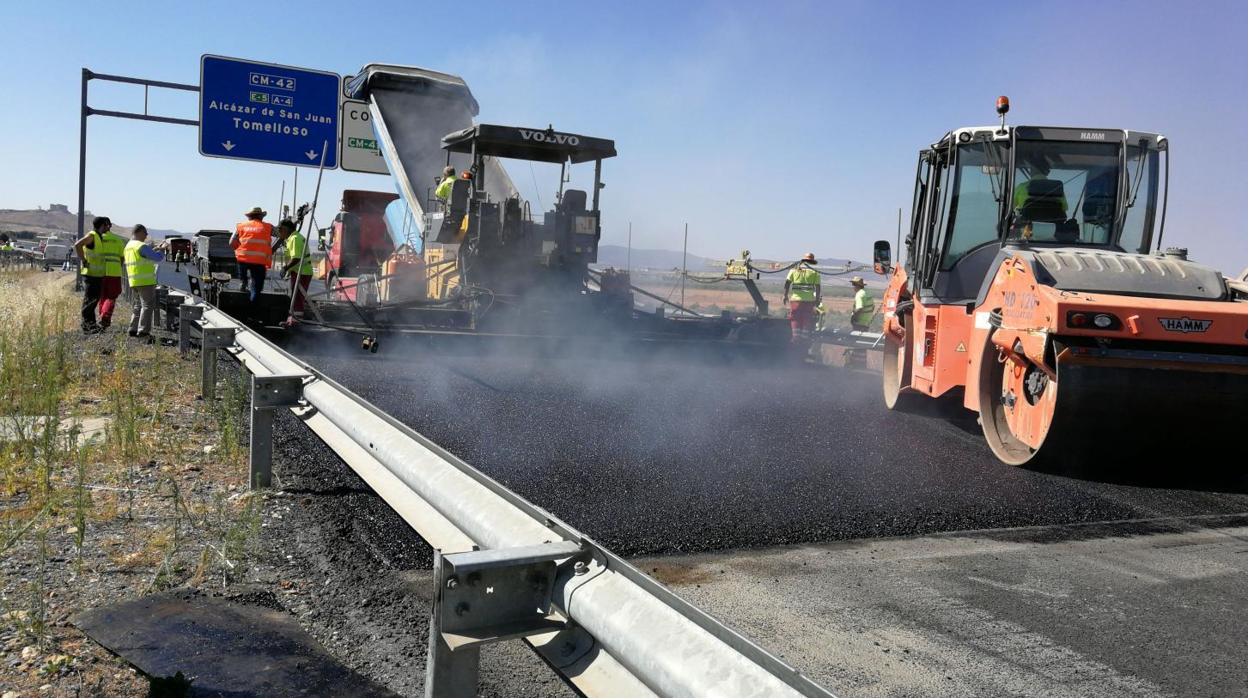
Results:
253 248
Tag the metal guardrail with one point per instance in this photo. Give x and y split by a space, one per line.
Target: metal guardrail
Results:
504 568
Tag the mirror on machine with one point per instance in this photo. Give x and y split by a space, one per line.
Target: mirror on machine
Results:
882 257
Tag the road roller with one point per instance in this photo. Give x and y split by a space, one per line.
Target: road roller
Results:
1035 284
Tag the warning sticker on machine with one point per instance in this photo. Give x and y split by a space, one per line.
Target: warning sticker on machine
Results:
1184 324
961 347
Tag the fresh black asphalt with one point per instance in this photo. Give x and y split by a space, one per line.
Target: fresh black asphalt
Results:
681 454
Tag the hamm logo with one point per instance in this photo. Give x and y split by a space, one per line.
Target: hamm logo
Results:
1184 324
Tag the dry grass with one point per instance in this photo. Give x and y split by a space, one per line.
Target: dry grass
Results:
157 500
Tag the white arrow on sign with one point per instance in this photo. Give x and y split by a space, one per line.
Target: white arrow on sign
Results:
311 154
228 145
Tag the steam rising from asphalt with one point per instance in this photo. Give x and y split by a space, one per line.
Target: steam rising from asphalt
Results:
623 409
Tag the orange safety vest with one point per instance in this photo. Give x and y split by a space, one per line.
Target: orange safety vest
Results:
255 243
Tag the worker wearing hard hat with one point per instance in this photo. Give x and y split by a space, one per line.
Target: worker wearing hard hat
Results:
253 248
864 305
803 292
443 192
298 267
99 253
141 259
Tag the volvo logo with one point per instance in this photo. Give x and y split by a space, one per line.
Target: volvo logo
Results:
1184 324
549 137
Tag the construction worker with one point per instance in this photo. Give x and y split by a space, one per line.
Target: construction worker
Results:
253 248
141 259
859 320
443 192
802 292
99 254
864 305
5 244
1023 193
298 267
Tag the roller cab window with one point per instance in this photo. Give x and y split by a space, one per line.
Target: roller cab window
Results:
1065 192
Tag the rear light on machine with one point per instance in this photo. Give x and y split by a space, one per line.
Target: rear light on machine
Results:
1077 320
1104 320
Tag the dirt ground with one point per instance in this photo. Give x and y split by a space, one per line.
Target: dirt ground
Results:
133 486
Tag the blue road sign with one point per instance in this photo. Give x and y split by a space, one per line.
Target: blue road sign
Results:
268 113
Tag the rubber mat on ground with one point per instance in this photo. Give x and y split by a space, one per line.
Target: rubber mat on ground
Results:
223 648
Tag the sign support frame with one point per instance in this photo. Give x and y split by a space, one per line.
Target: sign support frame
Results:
87 77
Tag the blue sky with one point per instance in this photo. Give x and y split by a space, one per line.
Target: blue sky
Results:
779 127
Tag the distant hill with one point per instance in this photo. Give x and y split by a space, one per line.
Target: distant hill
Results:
617 256
57 218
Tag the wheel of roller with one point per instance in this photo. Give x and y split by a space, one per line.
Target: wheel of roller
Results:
896 369
1020 411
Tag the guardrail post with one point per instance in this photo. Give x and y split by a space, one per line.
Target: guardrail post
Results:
188 315
214 338
162 296
267 394
171 303
488 596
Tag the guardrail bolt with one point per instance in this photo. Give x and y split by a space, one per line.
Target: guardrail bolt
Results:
451 583
580 567
461 608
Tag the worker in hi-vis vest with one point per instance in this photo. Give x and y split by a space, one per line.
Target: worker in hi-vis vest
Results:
443 192
802 292
253 248
141 260
860 320
864 305
99 255
298 267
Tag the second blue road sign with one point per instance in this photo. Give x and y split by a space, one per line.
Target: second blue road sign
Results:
267 113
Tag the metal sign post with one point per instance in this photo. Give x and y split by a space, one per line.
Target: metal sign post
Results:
87 77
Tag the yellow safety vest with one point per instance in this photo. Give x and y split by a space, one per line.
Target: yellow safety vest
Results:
444 188
1020 196
864 308
803 283
140 271
104 255
297 247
